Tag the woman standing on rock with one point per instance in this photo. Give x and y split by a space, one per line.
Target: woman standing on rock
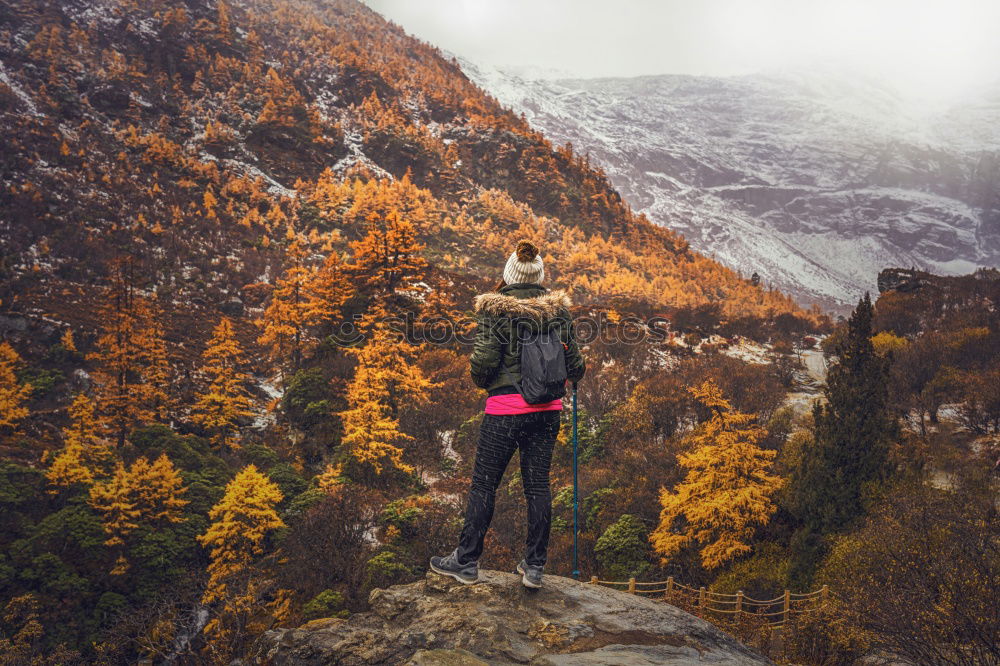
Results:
525 351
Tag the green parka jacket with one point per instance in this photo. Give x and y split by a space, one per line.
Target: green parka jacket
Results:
496 358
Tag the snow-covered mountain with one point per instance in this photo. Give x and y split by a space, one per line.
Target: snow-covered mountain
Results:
816 182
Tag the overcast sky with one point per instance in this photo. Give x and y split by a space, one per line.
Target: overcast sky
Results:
933 48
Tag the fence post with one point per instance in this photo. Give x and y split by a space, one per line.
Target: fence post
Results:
631 585
824 594
787 607
593 580
739 604
670 588
701 601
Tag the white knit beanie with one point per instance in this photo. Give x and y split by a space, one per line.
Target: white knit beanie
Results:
524 265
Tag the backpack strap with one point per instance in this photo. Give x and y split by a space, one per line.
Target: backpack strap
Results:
509 348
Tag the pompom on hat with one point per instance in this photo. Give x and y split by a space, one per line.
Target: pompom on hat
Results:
524 265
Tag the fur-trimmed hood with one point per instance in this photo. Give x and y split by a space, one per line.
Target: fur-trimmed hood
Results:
541 307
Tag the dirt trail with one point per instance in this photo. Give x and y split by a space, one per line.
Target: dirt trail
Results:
809 381
815 364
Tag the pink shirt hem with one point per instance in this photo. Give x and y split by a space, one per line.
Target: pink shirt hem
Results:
513 403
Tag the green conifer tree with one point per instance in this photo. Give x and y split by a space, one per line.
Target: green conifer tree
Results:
851 435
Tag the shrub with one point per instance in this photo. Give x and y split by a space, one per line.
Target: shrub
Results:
385 569
623 549
288 479
328 603
42 381
920 576
306 399
764 575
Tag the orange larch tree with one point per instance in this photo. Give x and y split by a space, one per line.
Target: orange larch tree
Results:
157 387
145 493
304 298
284 322
382 382
388 257
13 394
119 357
327 290
225 402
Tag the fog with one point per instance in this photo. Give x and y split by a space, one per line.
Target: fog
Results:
928 49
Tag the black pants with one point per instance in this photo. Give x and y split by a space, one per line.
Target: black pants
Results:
499 436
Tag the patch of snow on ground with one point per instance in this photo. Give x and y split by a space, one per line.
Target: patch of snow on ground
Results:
274 187
21 95
749 351
273 392
356 156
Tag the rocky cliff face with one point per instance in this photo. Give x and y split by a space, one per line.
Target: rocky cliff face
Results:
438 621
814 182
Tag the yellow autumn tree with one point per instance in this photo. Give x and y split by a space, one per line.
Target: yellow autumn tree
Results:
85 455
209 202
727 490
283 106
67 341
887 343
331 478
158 490
143 494
114 499
383 379
241 522
13 394
371 436
21 642
226 401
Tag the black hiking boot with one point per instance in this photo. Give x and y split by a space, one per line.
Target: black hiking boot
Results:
531 575
449 566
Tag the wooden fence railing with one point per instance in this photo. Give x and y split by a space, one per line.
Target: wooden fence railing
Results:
777 611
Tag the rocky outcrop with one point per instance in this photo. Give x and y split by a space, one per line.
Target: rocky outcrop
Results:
439 622
902 279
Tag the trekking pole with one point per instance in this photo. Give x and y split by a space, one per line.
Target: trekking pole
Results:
576 502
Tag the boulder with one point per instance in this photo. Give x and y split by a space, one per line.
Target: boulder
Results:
232 307
13 324
110 98
440 622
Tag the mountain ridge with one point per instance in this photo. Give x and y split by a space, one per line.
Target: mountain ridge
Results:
809 182
359 113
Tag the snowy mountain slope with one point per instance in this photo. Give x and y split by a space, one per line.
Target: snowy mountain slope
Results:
816 183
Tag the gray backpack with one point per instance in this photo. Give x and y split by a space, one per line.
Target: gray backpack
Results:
543 362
